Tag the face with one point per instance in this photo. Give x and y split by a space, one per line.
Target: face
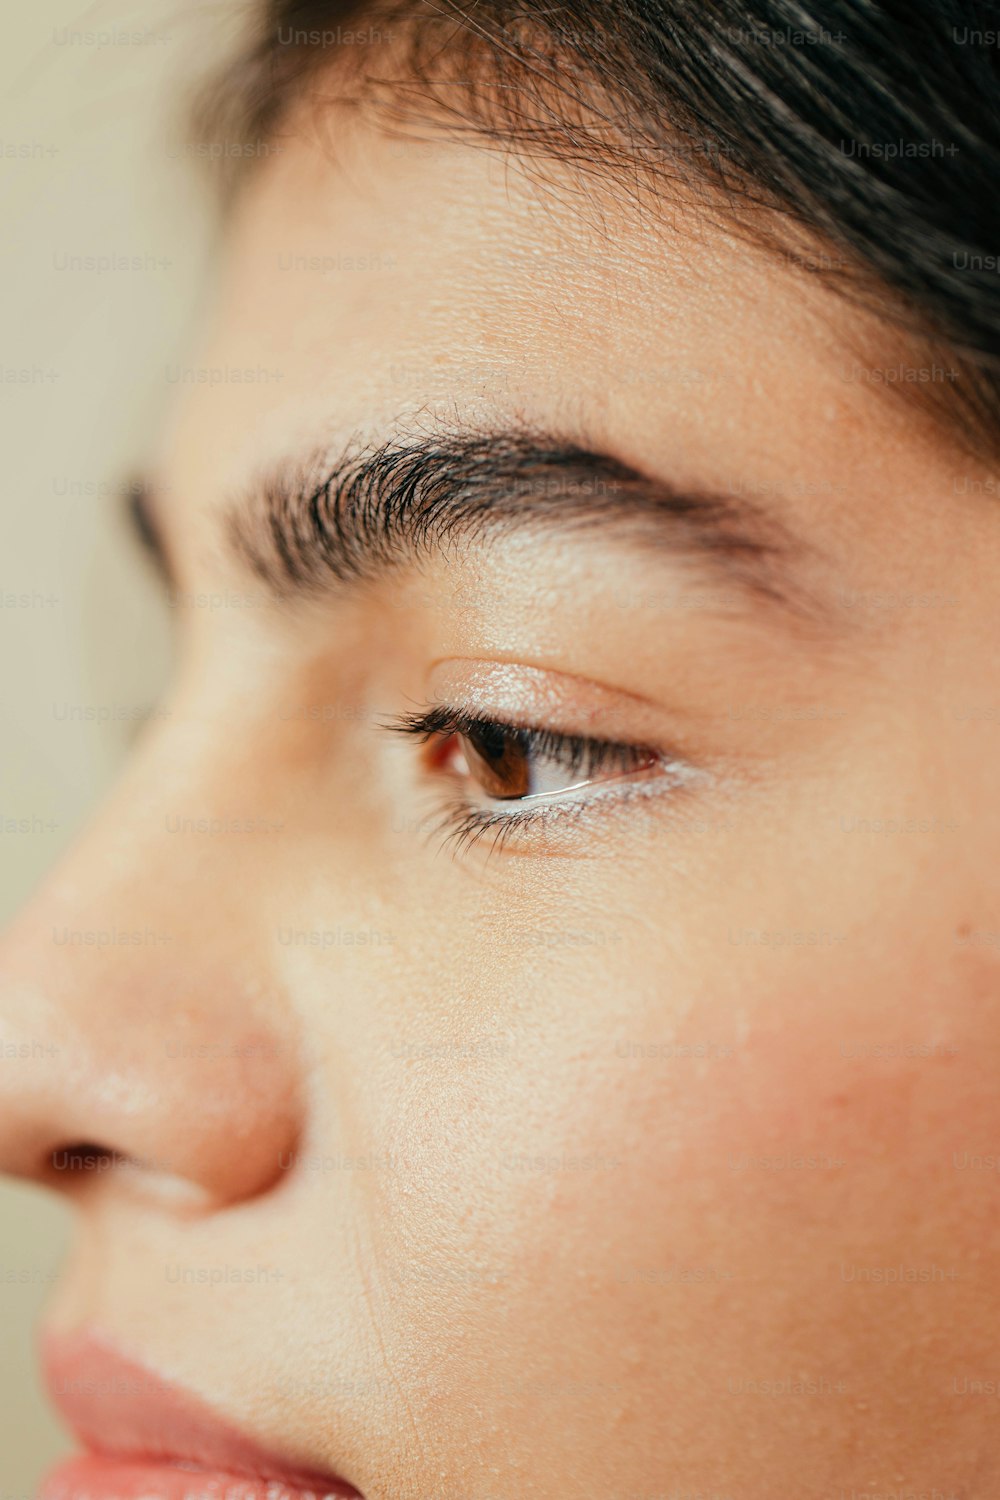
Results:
549 1044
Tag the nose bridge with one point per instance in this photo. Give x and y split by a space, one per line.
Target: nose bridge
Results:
135 1024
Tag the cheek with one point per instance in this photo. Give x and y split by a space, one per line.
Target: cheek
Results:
627 1197
540 1254
500 1251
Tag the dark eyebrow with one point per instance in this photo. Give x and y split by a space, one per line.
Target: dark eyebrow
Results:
307 528
139 501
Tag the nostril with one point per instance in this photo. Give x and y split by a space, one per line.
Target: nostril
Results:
84 1158
77 1168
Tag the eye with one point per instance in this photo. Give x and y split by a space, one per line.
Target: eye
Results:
498 779
503 779
515 764
510 764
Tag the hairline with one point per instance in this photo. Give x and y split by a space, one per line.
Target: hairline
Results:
739 204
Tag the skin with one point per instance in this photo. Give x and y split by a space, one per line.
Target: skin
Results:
619 1161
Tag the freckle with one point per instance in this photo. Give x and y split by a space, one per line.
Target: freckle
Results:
963 929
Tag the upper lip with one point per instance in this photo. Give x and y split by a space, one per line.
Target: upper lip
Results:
120 1408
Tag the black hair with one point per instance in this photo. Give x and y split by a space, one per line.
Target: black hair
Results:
870 127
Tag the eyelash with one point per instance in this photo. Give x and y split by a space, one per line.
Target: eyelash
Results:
581 756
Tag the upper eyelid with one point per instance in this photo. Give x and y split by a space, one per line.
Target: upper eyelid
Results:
590 754
440 718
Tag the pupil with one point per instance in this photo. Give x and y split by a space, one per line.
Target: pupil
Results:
492 741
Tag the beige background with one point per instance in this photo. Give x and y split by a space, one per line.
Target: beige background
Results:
96 169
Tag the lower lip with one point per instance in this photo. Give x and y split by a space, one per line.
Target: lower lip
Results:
91 1477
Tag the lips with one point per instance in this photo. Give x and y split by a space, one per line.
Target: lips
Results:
150 1440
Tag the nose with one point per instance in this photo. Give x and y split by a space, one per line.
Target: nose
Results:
139 1039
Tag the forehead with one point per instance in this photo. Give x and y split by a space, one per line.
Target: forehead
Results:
370 281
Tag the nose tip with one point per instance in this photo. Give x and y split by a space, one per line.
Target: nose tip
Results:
147 1062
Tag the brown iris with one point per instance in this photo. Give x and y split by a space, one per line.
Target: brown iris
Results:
498 759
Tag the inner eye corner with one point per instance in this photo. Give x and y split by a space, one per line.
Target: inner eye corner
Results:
454 759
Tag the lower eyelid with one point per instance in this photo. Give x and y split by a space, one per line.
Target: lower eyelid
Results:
523 821
660 779
587 789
